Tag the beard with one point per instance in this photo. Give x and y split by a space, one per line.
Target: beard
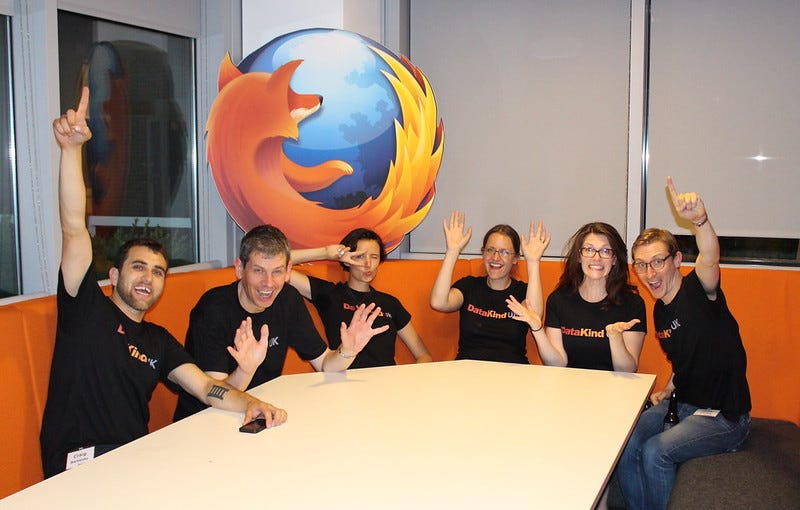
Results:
128 296
137 304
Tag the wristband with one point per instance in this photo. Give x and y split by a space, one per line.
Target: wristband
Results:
343 355
701 222
537 330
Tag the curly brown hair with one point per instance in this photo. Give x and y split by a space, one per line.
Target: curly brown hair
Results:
617 283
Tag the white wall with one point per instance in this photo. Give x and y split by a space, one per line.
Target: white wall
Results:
263 20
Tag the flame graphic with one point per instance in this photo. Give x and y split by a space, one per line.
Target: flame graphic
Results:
248 122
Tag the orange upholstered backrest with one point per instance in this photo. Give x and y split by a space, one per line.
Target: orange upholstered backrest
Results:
764 301
20 414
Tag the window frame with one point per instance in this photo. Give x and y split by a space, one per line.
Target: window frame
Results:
215 26
13 208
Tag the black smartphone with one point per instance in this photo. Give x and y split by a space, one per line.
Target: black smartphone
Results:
254 426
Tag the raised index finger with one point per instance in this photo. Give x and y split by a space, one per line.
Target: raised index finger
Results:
671 187
83 105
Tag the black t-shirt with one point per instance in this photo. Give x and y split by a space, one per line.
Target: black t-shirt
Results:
583 325
212 327
702 341
105 367
488 330
336 304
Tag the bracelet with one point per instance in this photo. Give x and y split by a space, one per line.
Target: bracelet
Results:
702 222
343 355
537 330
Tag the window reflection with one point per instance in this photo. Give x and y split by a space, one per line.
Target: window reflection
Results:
9 274
139 166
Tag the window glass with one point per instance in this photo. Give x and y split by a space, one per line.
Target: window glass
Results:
534 100
747 250
723 122
139 163
9 273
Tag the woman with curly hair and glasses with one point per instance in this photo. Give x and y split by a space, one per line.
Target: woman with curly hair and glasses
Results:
595 318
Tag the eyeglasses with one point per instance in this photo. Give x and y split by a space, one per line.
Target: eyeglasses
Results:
490 251
589 251
657 264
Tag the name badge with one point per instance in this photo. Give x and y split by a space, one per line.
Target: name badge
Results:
78 457
711 413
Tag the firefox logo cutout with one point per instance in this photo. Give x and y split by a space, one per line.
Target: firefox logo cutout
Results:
322 131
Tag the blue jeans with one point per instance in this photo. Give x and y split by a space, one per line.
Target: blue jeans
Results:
649 461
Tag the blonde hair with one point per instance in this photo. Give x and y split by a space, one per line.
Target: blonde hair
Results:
655 235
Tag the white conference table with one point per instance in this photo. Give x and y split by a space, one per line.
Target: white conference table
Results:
455 434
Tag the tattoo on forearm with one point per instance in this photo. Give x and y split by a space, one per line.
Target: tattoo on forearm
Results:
217 392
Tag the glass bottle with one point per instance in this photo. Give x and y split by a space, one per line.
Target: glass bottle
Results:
671 418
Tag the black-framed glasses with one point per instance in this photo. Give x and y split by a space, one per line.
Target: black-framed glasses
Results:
589 251
490 251
657 264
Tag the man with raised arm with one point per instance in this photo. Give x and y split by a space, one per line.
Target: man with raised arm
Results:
701 340
260 301
107 359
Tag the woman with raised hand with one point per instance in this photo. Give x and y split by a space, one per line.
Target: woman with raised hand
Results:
487 329
595 318
360 254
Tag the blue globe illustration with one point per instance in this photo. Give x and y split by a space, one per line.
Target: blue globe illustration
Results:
356 121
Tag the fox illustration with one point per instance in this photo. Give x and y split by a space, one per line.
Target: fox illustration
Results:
248 122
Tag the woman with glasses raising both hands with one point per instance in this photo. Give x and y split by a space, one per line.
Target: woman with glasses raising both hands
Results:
595 318
487 330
